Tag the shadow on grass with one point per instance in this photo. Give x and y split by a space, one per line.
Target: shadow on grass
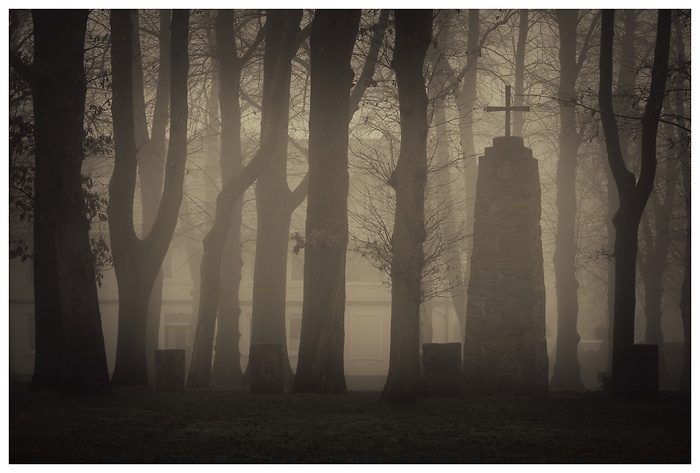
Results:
224 425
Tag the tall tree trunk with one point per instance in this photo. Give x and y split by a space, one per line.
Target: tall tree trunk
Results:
59 106
567 370
683 153
151 160
443 206
321 367
227 365
633 193
413 35
653 267
626 103
138 261
275 202
519 83
280 39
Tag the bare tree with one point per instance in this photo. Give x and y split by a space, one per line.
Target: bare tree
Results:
413 35
61 228
633 193
138 260
320 367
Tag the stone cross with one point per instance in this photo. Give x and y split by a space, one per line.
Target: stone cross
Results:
508 108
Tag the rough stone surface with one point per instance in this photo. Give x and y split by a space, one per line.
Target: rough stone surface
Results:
639 371
505 349
442 363
266 368
170 370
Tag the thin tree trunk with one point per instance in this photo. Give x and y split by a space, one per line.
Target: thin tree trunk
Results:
321 366
567 370
519 83
413 35
227 366
447 225
151 160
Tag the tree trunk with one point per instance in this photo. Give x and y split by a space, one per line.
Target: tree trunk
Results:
519 83
654 265
275 203
151 160
444 199
227 367
466 103
59 106
683 153
413 35
279 41
567 370
321 367
138 261
626 83
633 195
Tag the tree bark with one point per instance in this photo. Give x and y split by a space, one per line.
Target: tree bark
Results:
226 367
683 153
151 160
566 374
413 35
633 195
519 83
321 366
138 261
59 92
279 41
447 225
275 202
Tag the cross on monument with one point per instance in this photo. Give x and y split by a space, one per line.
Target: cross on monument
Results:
508 109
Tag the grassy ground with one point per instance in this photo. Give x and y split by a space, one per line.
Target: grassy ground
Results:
219 425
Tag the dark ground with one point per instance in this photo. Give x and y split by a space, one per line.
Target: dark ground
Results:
220 425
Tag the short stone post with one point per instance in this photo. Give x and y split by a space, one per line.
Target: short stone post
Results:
442 363
170 370
639 372
266 374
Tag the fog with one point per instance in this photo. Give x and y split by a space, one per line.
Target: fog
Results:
272 225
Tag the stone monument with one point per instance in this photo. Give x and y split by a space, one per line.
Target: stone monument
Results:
505 349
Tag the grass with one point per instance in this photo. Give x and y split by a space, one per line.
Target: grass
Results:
220 425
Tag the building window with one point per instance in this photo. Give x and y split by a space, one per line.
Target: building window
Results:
367 339
177 331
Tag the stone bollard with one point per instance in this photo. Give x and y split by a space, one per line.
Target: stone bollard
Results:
266 374
639 372
170 370
442 363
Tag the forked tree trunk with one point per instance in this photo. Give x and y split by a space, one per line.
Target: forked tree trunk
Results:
321 368
59 91
138 261
633 193
275 202
151 160
280 38
413 34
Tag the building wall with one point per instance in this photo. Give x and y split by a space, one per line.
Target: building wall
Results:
367 315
